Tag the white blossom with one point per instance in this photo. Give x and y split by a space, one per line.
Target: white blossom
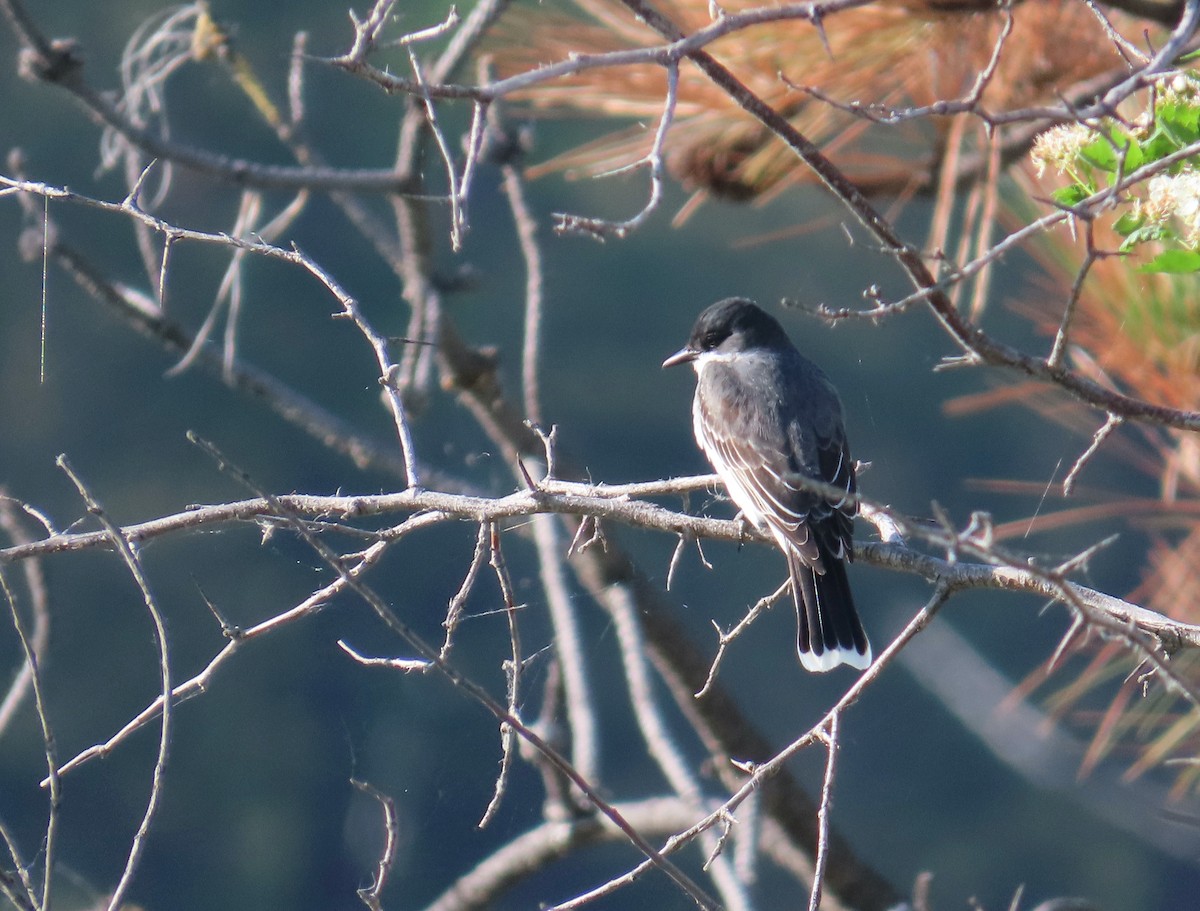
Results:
1175 196
1059 147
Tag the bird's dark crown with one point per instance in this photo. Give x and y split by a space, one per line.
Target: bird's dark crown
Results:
736 324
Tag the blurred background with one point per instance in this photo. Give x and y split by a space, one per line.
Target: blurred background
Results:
940 770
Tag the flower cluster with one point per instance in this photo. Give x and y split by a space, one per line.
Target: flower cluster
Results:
1059 148
1175 196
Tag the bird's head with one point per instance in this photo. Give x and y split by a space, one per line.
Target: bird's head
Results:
728 327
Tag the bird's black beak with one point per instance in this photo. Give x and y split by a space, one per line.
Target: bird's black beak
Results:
682 356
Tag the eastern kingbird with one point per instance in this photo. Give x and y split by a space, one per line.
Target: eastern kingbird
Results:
765 415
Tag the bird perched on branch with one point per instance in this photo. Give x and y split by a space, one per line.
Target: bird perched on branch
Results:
768 419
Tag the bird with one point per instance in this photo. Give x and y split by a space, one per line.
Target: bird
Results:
766 416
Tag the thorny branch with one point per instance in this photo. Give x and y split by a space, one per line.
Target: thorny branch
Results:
473 690
430 508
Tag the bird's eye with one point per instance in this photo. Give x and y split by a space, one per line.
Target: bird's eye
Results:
712 340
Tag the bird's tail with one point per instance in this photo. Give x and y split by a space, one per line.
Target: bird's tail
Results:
830 632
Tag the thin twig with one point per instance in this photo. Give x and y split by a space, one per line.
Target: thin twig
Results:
660 743
724 638
39 612
455 608
514 191
387 857
512 673
601 228
1114 421
822 859
388 371
49 749
1058 351
125 548
458 219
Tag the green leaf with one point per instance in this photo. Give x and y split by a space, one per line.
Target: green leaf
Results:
1106 152
1146 233
1134 157
1181 121
1173 261
1100 154
1128 223
1070 196
1158 145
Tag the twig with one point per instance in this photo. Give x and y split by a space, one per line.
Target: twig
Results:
724 638
405 665
676 558
600 228
457 202
660 744
124 547
1114 421
39 612
50 750
388 371
1061 338
512 673
455 608
387 857
822 859
514 190
474 151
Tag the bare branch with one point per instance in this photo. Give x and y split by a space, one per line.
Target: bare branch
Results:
660 743
1113 422
455 608
512 673
831 746
569 645
725 638
514 190
125 548
480 695
598 227
50 840
35 641
387 858
574 498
